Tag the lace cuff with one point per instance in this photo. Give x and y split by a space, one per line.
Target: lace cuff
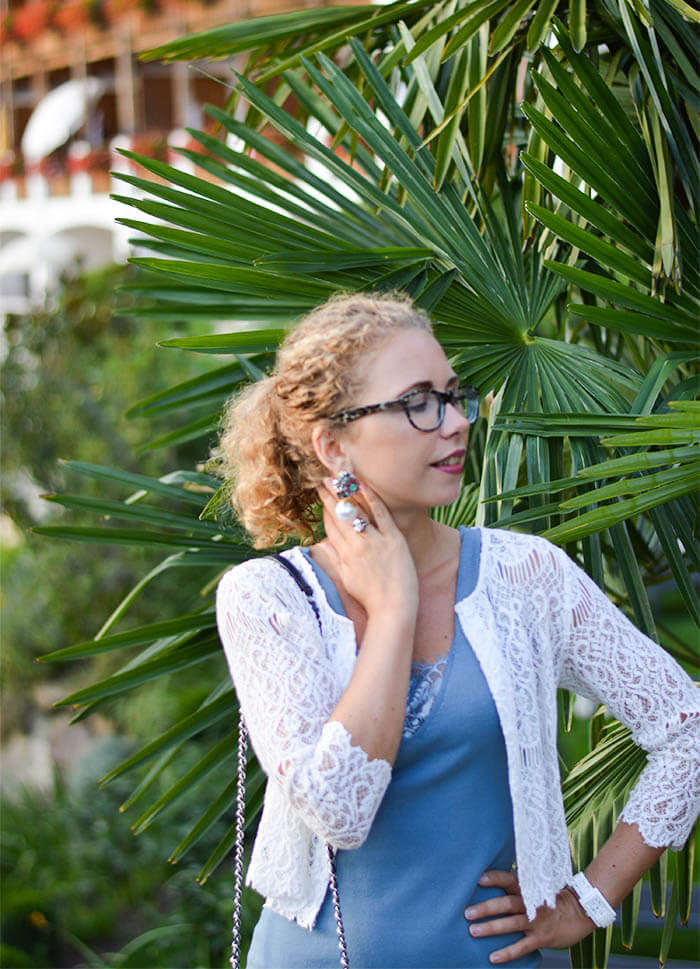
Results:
664 802
338 794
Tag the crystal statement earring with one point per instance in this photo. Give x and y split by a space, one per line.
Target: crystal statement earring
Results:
346 485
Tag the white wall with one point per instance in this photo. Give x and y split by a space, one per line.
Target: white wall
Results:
42 236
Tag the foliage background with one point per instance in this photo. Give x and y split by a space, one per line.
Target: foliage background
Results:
77 888
528 173
69 372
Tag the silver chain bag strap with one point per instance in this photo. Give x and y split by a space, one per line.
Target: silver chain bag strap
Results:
240 816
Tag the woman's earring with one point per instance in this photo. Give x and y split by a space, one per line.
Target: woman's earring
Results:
346 485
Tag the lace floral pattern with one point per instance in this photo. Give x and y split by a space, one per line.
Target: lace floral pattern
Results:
535 622
423 690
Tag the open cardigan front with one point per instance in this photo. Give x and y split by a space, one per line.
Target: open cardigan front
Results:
535 622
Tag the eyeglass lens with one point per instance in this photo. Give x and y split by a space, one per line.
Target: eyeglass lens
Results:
426 410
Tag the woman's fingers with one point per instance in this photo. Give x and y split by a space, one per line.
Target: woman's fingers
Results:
504 913
374 564
381 516
557 927
513 923
330 500
368 503
507 880
493 907
514 951
511 902
331 523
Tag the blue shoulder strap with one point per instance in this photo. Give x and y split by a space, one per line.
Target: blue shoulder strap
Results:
301 582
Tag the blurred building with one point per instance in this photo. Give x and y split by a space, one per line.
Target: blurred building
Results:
72 91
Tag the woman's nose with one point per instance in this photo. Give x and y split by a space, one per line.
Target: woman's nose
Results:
455 421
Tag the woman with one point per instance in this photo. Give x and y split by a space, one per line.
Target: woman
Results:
413 726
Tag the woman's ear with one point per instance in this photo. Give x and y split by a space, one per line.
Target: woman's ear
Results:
330 449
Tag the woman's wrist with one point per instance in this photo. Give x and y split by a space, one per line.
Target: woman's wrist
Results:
391 629
397 610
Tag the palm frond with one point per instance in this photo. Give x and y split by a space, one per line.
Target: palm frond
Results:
375 147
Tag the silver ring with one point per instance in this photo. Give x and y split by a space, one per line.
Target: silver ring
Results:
359 524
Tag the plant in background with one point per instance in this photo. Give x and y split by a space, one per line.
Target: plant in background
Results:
112 10
31 19
527 173
73 876
6 22
71 15
70 369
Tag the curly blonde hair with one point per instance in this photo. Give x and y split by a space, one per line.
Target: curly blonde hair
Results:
265 449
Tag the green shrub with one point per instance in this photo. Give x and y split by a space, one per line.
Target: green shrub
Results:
79 889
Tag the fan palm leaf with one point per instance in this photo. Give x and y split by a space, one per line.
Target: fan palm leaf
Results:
395 171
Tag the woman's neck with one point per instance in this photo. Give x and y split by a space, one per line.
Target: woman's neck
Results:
429 542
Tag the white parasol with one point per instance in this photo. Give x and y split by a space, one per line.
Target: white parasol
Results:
58 115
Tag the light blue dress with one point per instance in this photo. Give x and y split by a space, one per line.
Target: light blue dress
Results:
446 817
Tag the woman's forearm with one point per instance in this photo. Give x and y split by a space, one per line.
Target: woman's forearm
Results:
373 707
621 862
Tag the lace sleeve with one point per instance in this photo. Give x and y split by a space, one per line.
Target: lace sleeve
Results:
287 688
610 660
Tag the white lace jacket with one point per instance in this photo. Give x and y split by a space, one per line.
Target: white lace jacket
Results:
535 622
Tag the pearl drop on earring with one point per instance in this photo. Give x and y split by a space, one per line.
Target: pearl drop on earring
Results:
345 511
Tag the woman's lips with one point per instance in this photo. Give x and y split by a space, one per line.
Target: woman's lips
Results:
451 464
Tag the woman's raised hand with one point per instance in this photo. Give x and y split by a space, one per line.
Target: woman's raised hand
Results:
375 568
375 565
